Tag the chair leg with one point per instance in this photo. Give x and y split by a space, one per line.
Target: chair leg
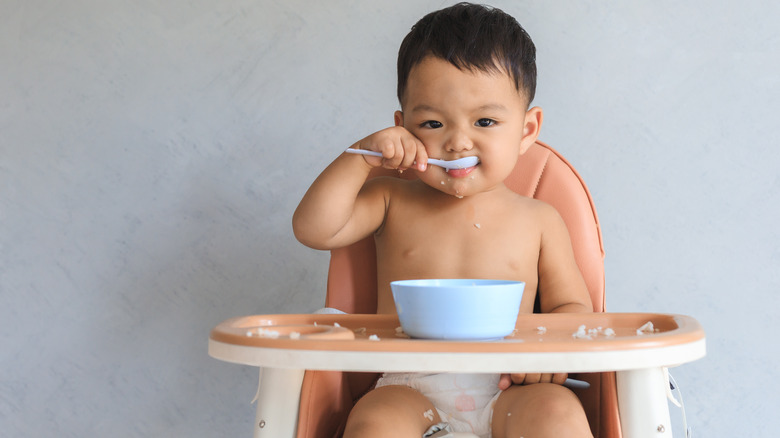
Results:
644 411
279 395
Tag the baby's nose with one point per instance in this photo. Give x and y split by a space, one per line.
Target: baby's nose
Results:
458 142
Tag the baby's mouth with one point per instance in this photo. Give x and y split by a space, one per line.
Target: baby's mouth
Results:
460 173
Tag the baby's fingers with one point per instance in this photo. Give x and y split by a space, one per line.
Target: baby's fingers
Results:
399 148
518 378
559 378
531 378
420 155
392 152
406 152
504 382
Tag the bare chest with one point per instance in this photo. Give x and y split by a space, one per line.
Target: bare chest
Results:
460 241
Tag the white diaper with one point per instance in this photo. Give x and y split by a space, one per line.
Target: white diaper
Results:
465 401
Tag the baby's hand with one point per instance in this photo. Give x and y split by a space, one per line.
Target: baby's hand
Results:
400 149
508 380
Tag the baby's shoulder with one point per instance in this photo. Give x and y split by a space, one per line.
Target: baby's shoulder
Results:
533 211
529 205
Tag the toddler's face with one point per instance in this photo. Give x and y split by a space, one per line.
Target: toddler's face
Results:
458 113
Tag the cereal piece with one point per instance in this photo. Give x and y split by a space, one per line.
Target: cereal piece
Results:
581 333
373 338
273 334
399 332
645 329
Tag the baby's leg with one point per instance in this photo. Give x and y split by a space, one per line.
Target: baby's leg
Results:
392 412
539 410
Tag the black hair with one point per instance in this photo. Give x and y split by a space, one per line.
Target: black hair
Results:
471 37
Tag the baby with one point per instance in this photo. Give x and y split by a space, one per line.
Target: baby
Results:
466 78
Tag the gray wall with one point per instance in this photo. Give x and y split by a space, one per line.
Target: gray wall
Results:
152 153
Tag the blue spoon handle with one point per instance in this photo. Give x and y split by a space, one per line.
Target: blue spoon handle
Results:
573 383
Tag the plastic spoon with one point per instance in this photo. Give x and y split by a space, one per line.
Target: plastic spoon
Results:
460 163
578 384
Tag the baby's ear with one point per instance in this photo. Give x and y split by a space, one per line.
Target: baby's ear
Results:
399 118
531 127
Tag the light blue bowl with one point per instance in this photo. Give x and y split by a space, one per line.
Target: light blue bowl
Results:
457 309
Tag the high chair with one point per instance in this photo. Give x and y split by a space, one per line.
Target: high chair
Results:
541 173
636 395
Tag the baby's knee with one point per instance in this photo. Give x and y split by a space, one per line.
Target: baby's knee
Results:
542 409
554 400
392 411
372 410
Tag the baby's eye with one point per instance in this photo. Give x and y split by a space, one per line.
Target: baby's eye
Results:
484 123
433 124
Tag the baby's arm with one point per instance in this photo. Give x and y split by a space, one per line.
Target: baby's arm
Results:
562 288
339 208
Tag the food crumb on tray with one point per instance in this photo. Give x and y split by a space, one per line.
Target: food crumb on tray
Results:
647 328
263 333
585 333
399 332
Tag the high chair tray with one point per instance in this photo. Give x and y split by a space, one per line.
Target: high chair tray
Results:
540 343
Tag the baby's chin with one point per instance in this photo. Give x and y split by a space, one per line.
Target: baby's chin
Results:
450 186
461 188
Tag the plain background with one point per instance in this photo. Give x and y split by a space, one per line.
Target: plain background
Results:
152 153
